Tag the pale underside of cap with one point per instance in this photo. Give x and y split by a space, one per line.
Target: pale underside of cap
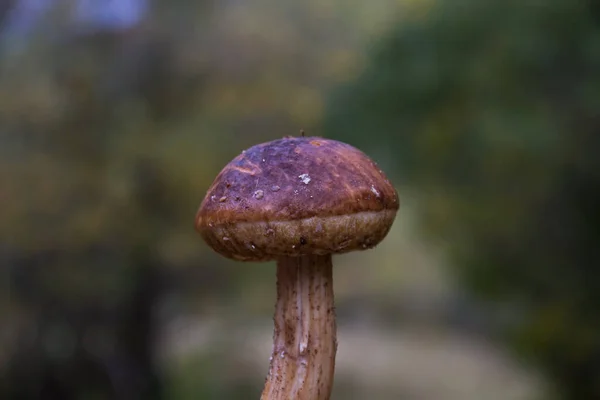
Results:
262 240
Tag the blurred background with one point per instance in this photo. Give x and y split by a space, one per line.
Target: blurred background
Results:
115 117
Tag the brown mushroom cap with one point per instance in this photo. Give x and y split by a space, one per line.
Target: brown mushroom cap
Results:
297 196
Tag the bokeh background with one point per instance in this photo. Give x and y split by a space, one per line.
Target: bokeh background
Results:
115 116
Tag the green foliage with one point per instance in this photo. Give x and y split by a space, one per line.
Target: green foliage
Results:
198 377
490 109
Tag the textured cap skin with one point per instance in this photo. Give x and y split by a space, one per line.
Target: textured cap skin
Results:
297 196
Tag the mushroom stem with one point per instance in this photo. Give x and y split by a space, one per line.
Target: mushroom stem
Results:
304 340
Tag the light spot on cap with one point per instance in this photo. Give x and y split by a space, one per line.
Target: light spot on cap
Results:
305 178
375 191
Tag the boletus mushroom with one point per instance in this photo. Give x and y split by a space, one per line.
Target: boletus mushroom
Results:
298 200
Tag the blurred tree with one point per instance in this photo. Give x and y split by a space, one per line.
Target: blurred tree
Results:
86 201
490 108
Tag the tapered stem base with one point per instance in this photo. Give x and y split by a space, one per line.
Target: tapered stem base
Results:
304 340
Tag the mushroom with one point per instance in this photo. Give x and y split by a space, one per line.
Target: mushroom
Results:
298 200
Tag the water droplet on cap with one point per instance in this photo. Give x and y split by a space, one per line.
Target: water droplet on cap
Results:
259 194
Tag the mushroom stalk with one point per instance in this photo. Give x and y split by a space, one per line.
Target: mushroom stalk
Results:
304 340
